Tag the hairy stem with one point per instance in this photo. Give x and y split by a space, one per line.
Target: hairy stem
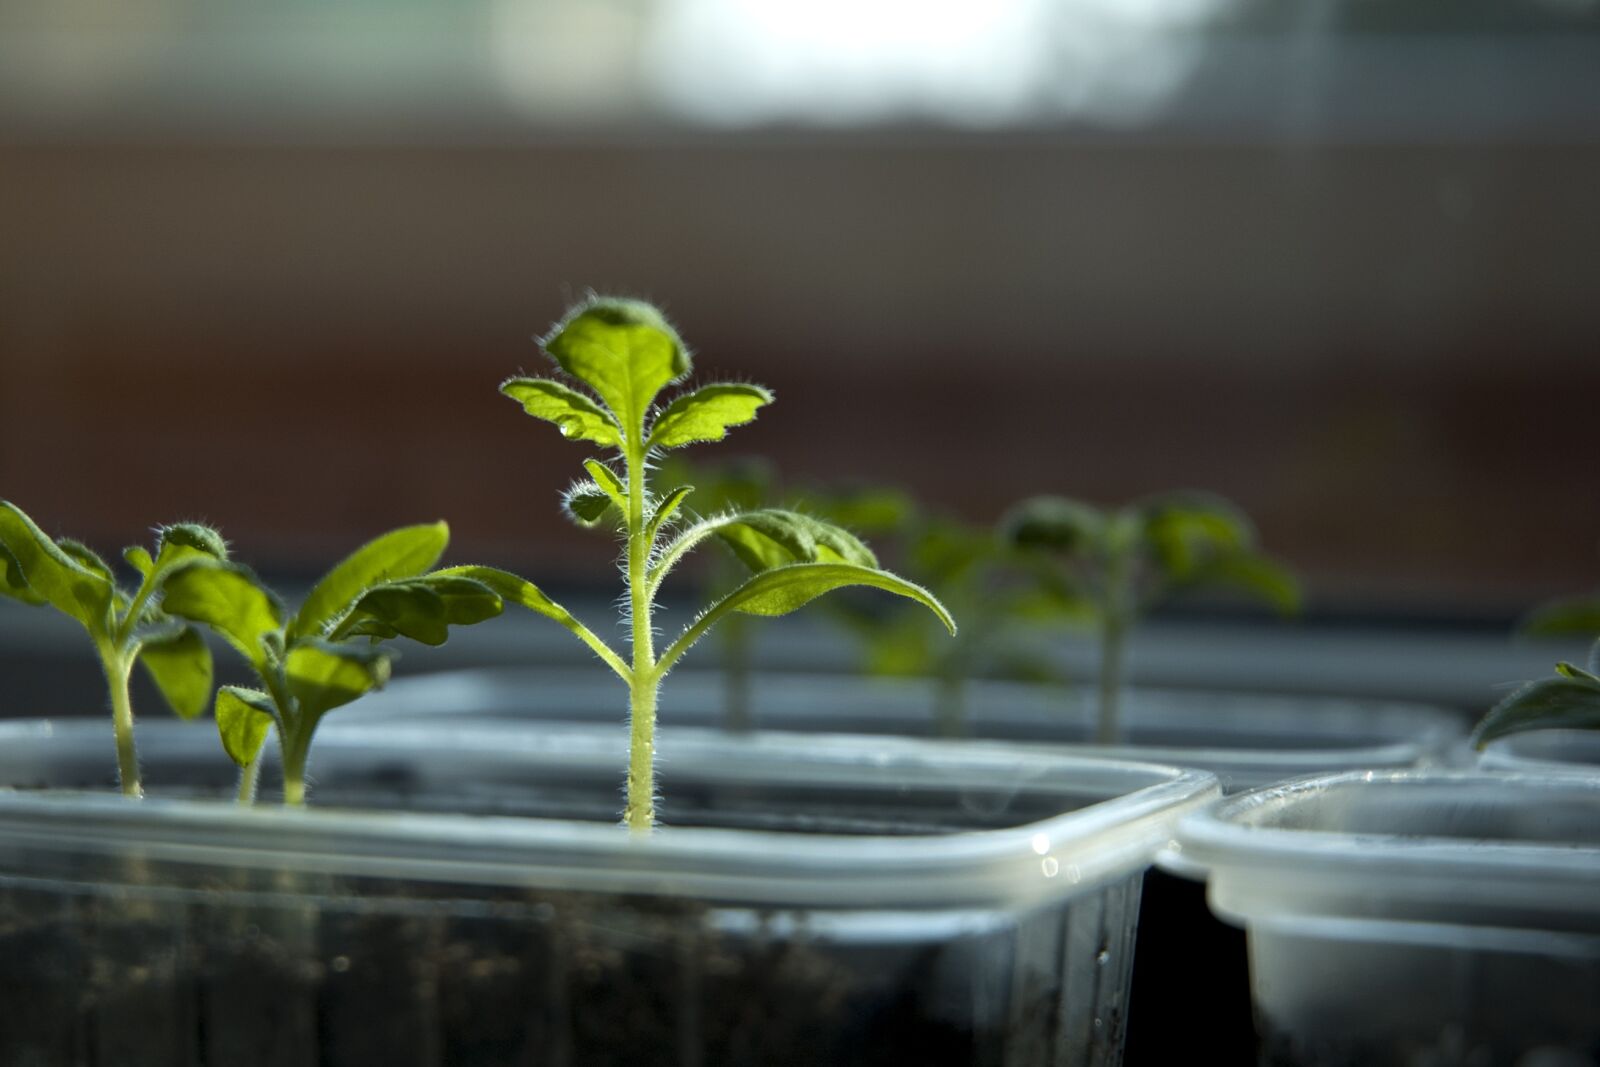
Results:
118 667
644 680
249 777
295 749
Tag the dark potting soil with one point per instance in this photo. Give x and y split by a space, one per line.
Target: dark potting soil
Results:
275 973
1191 980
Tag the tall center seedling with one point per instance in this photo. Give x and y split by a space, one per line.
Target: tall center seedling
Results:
626 354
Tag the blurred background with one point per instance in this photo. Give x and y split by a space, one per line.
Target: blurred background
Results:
264 264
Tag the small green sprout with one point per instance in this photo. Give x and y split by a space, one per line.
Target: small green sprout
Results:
1569 701
68 576
626 354
1125 561
326 654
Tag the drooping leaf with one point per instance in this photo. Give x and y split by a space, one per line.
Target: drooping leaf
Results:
422 609
783 589
230 599
1550 703
403 553
586 503
1567 617
666 509
12 583
243 718
180 666
323 675
772 537
1184 530
51 573
625 350
1258 576
578 417
1577 674
511 588
1054 524
707 413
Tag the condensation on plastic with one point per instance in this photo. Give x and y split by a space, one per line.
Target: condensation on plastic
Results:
1245 739
1415 917
846 900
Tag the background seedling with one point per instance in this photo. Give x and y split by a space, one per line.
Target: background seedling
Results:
125 629
1124 561
625 353
1001 595
326 654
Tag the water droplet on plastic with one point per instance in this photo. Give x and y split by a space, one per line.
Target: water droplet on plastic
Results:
1102 957
1050 866
340 964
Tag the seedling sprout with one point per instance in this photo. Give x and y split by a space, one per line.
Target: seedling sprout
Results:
626 353
1127 560
125 629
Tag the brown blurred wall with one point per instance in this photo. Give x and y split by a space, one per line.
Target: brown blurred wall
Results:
1387 353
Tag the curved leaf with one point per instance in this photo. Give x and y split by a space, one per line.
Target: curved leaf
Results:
87 558
422 609
1259 576
52 574
323 675
180 666
403 553
606 479
1567 617
12 583
1183 530
665 509
707 413
625 350
766 538
578 417
1550 703
243 718
514 589
182 539
139 559
1054 524
230 599
783 589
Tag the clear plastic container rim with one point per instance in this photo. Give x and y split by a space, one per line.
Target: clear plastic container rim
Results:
1031 863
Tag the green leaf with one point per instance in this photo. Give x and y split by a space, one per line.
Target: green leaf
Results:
87 558
624 350
665 510
180 666
230 599
587 503
707 413
1577 674
403 553
578 417
1259 576
783 589
773 537
422 609
12 583
1184 530
1054 524
243 718
511 588
607 480
52 574
184 539
1550 703
1567 617
139 559
323 675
